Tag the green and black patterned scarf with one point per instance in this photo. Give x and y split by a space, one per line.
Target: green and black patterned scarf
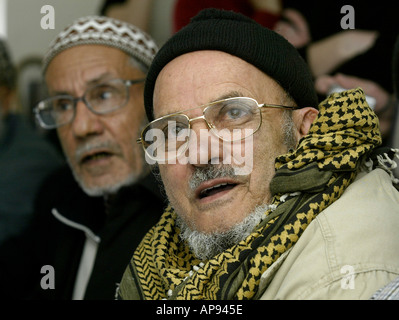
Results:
306 182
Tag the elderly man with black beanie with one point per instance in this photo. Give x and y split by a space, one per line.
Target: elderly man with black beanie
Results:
313 215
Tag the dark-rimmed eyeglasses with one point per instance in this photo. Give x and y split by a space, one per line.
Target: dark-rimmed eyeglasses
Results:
102 98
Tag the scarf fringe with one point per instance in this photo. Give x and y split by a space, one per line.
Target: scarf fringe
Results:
385 162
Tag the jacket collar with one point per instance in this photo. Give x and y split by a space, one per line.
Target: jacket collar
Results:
88 214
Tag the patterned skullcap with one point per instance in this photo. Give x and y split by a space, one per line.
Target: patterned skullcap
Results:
104 31
7 69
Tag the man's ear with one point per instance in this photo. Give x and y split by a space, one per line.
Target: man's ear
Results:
304 118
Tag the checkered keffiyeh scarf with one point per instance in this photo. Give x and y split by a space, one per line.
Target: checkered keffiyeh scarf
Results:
306 182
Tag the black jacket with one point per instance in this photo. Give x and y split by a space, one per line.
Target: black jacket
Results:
51 241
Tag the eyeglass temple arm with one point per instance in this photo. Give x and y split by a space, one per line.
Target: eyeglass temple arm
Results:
277 106
130 82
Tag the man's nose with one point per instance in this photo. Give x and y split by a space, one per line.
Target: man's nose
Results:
86 122
204 147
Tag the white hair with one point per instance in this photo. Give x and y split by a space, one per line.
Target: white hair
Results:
207 245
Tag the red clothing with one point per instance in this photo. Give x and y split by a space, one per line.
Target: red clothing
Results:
184 10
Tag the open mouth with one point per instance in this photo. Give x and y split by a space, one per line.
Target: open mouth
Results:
96 157
216 189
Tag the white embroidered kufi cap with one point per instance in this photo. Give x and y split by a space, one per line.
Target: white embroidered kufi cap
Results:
106 31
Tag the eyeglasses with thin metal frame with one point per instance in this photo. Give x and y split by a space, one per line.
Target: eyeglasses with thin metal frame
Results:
232 113
101 99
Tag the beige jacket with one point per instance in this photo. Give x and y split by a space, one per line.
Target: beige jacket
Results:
348 252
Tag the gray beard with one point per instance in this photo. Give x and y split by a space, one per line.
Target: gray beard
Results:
97 191
106 190
207 245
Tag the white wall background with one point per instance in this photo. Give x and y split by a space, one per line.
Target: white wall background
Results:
3 20
26 38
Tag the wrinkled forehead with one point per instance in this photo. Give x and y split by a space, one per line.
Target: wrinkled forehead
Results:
200 77
78 68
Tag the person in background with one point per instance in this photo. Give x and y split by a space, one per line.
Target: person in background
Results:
265 12
25 157
394 141
136 12
272 194
391 290
347 44
91 214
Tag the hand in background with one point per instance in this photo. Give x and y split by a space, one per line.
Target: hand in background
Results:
294 28
272 6
327 54
383 107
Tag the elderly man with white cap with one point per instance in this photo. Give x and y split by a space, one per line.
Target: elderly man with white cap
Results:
91 215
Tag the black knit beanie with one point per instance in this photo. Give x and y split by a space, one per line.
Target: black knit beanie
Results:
238 35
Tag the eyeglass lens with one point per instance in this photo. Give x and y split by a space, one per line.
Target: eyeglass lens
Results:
100 99
231 119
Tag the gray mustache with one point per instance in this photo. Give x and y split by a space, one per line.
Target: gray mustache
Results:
202 174
111 146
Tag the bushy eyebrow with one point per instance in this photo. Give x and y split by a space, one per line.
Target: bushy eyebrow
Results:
231 94
91 83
